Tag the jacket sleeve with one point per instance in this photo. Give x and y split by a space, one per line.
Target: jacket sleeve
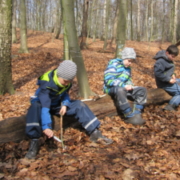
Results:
65 99
159 72
117 76
45 101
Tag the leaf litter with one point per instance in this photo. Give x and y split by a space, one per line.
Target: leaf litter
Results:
145 152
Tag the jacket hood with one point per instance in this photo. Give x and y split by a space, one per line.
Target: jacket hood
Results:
162 55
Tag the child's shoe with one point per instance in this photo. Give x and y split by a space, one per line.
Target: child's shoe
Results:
170 107
33 149
96 134
136 119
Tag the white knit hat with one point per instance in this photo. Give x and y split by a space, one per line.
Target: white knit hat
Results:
128 53
67 70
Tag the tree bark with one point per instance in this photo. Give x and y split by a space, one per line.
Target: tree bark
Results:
14 37
138 22
174 38
75 52
121 28
6 85
83 44
23 27
13 129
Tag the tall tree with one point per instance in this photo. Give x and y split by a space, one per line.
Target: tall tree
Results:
6 85
106 24
131 17
146 21
163 22
69 25
114 28
83 44
14 37
152 20
95 25
57 29
23 28
174 37
121 28
138 22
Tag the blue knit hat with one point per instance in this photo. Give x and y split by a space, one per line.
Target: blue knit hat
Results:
67 70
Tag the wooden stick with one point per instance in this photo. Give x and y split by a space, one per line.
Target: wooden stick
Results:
61 130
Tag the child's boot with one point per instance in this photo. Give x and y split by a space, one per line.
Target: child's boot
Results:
96 134
33 149
133 117
170 107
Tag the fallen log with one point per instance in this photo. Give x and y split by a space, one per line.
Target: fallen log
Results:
13 129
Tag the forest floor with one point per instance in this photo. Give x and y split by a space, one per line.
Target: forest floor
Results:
151 151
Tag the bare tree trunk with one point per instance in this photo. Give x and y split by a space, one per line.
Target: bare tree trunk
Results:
138 22
96 20
23 27
106 24
104 4
6 85
121 28
83 44
14 37
115 21
146 20
58 21
174 38
90 16
131 16
69 25
152 20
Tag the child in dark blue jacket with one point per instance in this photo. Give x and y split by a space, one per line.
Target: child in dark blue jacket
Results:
52 98
165 76
118 84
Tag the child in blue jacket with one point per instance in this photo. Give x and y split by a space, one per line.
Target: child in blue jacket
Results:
52 98
165 76
118 84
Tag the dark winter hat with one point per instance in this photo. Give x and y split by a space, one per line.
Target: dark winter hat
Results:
67 70
128 53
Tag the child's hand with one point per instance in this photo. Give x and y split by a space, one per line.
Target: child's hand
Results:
129 87
172 80
63 110
48 132
173 76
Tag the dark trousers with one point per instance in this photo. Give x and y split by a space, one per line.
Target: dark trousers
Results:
120 95
76 108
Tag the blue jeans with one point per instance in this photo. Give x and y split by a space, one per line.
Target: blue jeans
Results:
173 90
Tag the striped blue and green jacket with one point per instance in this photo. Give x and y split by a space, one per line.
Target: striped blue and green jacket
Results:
116 74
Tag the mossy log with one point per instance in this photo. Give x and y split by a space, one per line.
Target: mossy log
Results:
13 129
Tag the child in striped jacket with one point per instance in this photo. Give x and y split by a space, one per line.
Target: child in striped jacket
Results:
118 84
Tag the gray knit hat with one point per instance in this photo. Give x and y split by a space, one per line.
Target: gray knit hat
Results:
128 53
67 70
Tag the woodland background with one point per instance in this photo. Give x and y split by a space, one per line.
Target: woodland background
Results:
143 152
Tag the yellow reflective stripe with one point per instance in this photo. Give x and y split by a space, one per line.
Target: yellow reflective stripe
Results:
45 76
62 90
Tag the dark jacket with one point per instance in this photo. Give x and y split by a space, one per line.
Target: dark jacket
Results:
163 69
50 94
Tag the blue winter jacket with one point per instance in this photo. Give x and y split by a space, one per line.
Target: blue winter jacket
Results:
116 74
163 69
50 94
